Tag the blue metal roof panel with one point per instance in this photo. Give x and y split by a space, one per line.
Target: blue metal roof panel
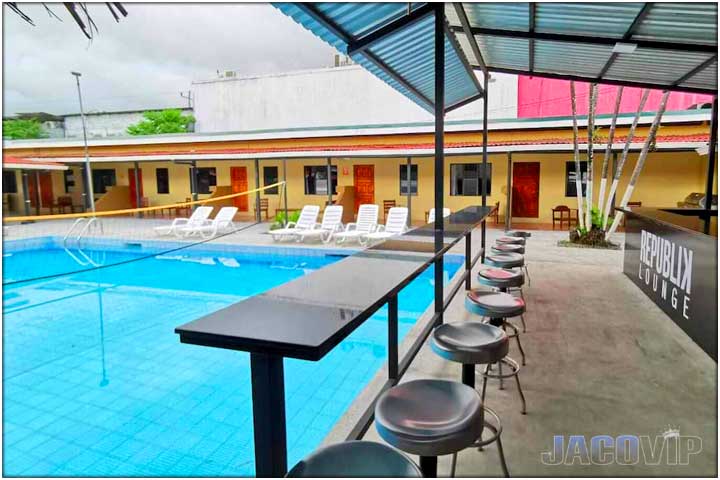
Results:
690 22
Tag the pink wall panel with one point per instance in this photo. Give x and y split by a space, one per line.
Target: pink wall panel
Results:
544 97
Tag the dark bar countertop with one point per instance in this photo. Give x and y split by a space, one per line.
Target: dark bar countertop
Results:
307 317
688 219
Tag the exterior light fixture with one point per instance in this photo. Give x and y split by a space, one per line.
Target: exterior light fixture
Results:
624 47
703 150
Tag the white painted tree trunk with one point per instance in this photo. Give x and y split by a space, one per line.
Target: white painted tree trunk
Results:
576 149
641 161
623 158
608 150
590 154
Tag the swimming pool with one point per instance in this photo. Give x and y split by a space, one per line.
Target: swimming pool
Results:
97 384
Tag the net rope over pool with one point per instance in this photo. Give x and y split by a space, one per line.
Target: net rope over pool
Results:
96 383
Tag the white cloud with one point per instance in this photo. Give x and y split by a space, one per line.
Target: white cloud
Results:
147 58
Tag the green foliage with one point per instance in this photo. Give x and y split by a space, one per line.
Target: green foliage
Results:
19 129
165 121
279 220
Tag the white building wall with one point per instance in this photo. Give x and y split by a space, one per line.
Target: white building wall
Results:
100 125
327 97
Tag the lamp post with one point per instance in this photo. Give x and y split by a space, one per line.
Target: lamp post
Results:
90 199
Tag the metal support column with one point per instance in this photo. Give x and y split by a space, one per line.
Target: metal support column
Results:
193 183
329 181
508 201
136 165
37 192
484 163
268 397
26 192
393 343
711 165
258 217
285 199
439 153
408 176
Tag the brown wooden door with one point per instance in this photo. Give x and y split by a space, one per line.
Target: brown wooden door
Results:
364 178
46 189
133 194
239 183
526 190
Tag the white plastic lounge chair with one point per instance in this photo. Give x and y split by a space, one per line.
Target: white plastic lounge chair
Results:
198 217
307 220
396 224
331 223
431 215
223 221
366 223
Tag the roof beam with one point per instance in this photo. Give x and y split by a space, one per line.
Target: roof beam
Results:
362 44
312 10
590 40
695 70
460 10
531 43
460 53
626 83
627 36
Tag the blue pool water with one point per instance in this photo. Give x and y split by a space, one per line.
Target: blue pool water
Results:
96 383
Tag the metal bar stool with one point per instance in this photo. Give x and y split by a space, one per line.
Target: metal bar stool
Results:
503 280
518 233
430 418
355 459
507 247
507 260
497 307
471 344
512 240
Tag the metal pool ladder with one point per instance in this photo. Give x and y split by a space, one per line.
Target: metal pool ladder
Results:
82 226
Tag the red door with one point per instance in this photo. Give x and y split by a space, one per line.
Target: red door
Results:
46 189
364 177
133 195
239 183
526 189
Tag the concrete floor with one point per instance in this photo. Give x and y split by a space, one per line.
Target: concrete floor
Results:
602 360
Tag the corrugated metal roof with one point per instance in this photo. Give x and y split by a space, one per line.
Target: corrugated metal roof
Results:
404 58
675 42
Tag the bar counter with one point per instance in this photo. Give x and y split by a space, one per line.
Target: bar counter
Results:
671 255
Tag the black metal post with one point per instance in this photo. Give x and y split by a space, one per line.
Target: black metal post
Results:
484 162
268 397
258 217
439 154
408 175
468 261
468 375
428 467
37 192
508 202
711 165
393 338
329 181
26 192
137 188
86 189
193 183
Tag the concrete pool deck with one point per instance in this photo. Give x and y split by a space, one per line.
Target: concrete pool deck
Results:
602 360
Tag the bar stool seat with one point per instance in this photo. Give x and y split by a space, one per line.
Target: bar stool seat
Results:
512 240
494 304
470 342
505 260
356 459
501 278
518 233
429 417
508 247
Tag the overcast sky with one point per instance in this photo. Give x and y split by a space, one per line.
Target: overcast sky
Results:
148 57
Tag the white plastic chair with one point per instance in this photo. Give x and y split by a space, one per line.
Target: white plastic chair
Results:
366 223
223 221
331 223
307 220
431 215
198 218
396 224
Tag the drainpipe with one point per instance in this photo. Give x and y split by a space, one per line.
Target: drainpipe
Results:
408 176
257 192
137 188
26 192
285 200
329 181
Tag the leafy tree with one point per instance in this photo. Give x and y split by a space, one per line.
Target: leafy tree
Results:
18 129
164 121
